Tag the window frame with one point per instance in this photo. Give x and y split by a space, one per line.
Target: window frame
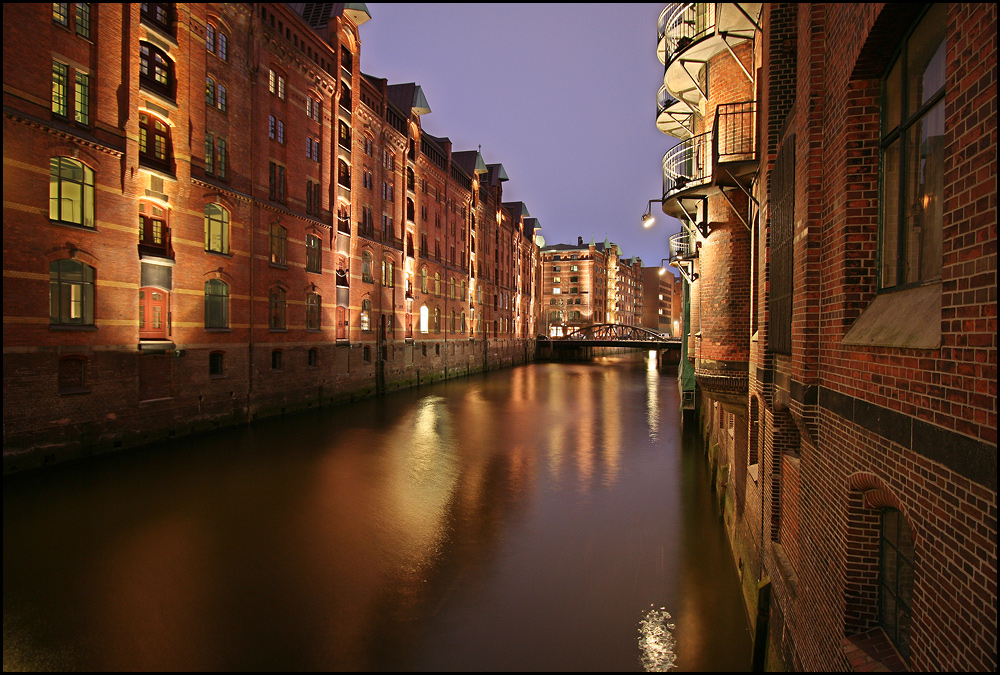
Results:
156 70
71 301
314 254
898 135
217 228
58 180
216 304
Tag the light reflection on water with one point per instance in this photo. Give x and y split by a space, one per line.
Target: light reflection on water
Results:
656 641
518 521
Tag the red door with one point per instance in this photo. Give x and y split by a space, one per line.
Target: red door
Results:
153 313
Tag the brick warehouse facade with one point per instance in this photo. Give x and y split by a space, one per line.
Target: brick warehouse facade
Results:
240 224
836 178
586 284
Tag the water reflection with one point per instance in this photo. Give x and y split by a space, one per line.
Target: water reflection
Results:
656 641
519 521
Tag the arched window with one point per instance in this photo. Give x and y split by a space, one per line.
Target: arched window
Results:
216 304
153 231
451 288
423 319
216 41
314 304
71 192
463 323
71 293
314 254
343 173
209 91
216 228
423 280
155 149
453 324
366 267
437 320
159 14
156 70
465 295
437 284
366 315
896 579
277 308
279 244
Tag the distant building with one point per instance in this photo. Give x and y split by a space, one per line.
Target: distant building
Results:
588 284
657 299
836 179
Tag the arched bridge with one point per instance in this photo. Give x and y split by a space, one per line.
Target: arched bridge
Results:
616 335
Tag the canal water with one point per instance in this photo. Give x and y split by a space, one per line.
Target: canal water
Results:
546 517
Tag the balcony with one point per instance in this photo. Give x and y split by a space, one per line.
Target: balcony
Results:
674 117
703 165
689 34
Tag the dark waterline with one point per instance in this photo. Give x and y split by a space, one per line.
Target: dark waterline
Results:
530 519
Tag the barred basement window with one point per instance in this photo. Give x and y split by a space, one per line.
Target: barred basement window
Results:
216 364
276 359
313 358
72 375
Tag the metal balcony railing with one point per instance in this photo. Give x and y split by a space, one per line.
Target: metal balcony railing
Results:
686 164
681 247
735 132
681 25
673 117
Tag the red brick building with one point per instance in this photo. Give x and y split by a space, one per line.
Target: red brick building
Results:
836 175
657 299
240 223
588 284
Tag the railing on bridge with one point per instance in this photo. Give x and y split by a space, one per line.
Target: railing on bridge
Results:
616 332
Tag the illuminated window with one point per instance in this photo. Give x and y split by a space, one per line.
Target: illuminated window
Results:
156 70
279 245
71 192
216 228
71 293
423 319
155 149
366 315
366 267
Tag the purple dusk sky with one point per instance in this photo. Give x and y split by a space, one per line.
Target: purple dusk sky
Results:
563 95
